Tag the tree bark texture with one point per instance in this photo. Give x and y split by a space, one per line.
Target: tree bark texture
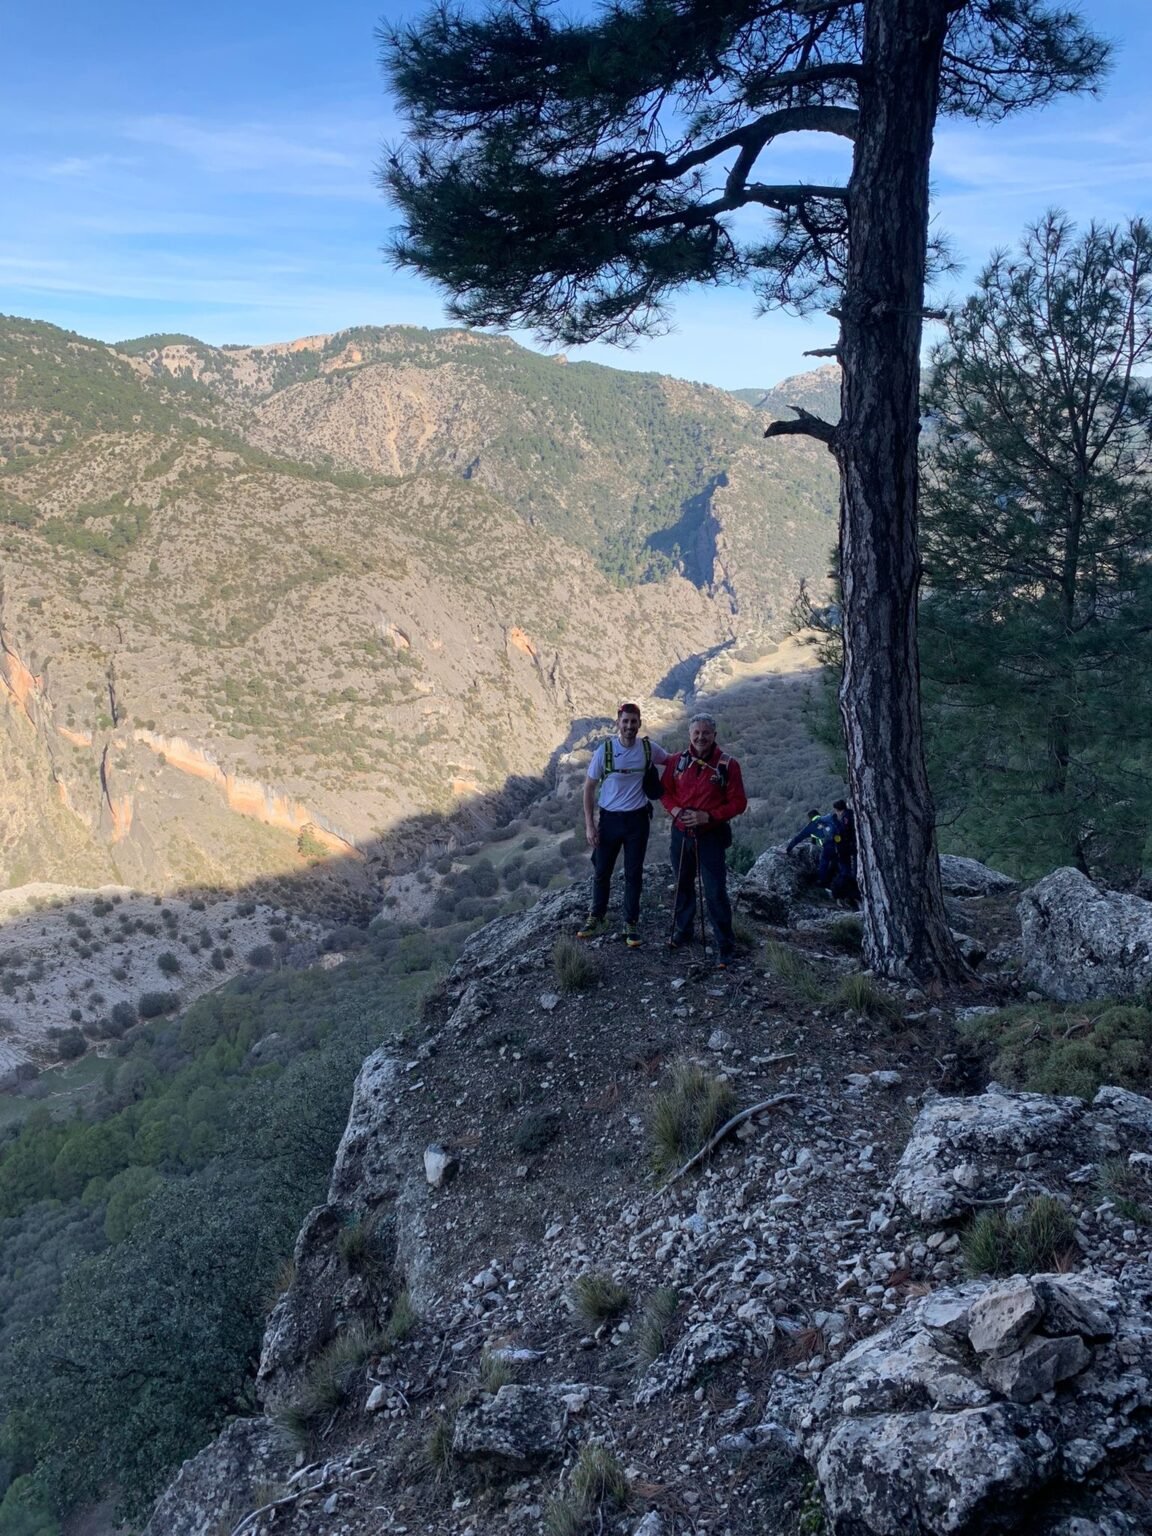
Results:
906 934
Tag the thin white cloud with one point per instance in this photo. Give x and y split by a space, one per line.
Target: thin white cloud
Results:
240 146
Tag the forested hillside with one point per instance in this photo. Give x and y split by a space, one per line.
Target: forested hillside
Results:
260 604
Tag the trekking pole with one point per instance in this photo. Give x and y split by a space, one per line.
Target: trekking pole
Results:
676 892
700 899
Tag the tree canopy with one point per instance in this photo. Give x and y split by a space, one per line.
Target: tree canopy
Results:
1037 635
573 175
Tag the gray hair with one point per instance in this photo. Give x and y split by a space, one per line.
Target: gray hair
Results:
702 720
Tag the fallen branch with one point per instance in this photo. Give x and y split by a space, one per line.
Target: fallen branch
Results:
290 1498
729 1125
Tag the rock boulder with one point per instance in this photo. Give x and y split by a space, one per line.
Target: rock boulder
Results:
1001 1146
1080 942
225 1481
970 1405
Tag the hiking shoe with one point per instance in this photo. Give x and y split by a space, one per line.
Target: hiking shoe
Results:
632 935
680 941
593 927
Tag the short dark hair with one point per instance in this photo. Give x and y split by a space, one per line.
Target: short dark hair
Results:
628 709
839 805
812 815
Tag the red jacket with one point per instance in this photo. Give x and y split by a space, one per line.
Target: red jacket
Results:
713 784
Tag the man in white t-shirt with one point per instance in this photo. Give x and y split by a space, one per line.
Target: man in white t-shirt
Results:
616 781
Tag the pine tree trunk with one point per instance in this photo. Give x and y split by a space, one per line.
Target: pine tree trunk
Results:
906 933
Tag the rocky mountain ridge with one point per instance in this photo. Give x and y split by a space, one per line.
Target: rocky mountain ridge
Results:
264 604
795 1334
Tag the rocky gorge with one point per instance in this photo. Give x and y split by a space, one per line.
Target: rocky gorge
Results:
896 1294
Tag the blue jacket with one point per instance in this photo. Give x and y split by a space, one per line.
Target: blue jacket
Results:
821 829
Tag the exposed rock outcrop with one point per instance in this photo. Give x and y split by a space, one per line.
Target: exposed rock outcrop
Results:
1000 1147
968 877
800 1303
1081 942
952 1420
213 1490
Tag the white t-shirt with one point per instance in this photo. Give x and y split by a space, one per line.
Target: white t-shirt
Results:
623 788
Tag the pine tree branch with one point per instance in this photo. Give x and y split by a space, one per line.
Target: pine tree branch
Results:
807 425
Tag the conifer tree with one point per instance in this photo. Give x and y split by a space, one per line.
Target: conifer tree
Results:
571 176
1037 631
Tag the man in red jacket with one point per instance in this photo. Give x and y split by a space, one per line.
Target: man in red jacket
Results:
703 791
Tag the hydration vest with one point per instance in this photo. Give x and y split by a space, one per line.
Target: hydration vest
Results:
719 767
609 760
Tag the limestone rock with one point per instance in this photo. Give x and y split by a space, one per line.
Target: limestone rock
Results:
895 1454
507 941
1028 1373
1002 1317
217 1487
440 1167
1081 942
519 1429
931 1472
968 877
772 887
702 1346
965 1149
999 1144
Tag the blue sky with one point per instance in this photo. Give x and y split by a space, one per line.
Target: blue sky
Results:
210 169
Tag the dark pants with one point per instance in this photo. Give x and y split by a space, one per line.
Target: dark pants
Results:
628 830
829 863
844 887
708 848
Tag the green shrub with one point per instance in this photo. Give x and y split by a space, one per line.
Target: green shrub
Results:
1070 1048
597 1486
1039 1237
124 1014
495 1373
329 1380
152 1004
167 962
262 956
790 967
687 1114
403 1319
654 1331
438 1445
1128 1187
572 965
536 1131
863 994
598 1298
70 1044
847 934
363 1249
740 857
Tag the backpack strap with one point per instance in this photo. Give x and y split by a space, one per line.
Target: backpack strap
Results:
647 753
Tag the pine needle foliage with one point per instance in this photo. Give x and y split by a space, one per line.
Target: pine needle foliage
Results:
1068 1048
1036 639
